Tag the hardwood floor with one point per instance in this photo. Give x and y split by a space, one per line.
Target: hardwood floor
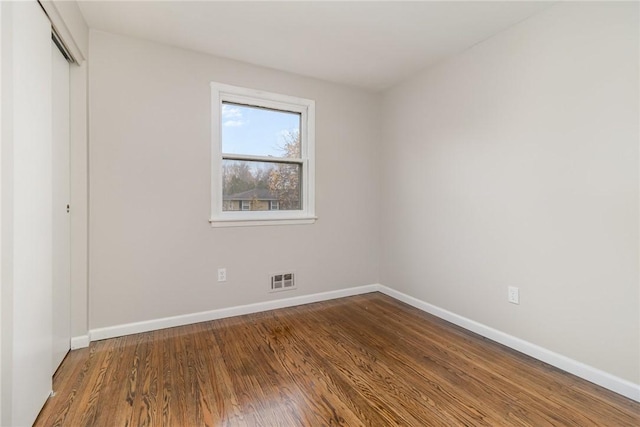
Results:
364 360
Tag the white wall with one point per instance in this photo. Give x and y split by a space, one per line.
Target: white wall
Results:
153 253
516 163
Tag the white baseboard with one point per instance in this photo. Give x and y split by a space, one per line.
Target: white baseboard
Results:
81 341
589 373
187 319
579 369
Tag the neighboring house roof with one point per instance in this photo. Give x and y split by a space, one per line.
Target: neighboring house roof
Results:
255 194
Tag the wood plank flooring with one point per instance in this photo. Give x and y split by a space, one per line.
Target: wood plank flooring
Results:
367 360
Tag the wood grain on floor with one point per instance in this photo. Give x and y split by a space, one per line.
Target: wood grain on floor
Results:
366 360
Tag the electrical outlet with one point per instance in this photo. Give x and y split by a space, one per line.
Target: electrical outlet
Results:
513 295
222 275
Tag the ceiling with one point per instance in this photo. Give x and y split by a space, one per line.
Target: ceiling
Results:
372 45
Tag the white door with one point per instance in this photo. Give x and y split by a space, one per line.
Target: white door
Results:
29 251
61 215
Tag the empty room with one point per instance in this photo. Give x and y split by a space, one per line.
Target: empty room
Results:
310 213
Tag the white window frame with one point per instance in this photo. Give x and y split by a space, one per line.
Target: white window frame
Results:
306 108
273 203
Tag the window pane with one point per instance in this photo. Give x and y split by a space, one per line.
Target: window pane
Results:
259 131
257 186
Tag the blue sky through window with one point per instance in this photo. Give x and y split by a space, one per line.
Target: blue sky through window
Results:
256 131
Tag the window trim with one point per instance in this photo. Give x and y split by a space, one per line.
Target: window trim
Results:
226 93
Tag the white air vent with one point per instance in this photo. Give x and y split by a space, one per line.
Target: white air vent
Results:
282 282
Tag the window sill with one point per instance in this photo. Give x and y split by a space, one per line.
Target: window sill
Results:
233 222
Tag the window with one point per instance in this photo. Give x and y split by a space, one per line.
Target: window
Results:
262 158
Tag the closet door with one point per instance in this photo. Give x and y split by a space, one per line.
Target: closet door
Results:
31 233
61 214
